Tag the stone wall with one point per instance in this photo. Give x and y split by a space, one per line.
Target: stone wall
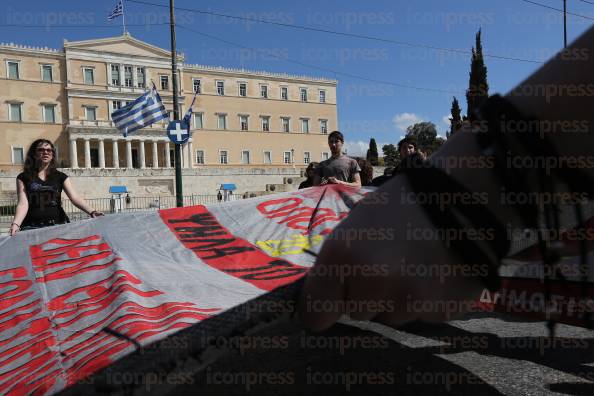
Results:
94 183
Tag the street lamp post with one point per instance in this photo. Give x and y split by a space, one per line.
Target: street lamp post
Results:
564 23
177 153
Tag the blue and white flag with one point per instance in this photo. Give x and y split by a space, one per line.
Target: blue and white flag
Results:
144 111
118 11
188 116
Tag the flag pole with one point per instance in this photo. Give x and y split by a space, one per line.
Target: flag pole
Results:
179 197
123 17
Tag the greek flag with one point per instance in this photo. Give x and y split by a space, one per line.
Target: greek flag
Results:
118 11
188 116
144 111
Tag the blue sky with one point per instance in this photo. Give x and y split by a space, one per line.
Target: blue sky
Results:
511 28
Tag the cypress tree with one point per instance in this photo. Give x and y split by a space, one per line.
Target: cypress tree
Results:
372 154
456 118
478 88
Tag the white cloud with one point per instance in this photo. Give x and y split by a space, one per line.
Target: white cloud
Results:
356 149
404 120
359 148
446 120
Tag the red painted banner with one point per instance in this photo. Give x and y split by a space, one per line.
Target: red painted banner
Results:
94 319
298 216
200 232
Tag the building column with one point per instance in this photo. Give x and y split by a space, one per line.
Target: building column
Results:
155 155
129 154
73 154
115 153
167 156
184 155
190 159
141 156
87 153
101 154
122 75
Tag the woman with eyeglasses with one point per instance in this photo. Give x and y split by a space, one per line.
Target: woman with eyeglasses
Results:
39 191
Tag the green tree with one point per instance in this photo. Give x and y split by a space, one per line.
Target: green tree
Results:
391 156
372 154
426 135
478 88
456 118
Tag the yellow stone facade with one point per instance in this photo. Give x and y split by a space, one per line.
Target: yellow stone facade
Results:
241 118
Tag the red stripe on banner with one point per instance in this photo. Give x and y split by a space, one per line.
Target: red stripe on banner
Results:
35 377
293 212
69 257
569 302
200 231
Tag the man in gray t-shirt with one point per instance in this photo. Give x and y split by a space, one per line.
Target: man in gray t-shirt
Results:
338 169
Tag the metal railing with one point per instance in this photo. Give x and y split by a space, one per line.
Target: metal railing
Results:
7 208
109 205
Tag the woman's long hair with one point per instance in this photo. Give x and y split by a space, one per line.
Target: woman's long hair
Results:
31 167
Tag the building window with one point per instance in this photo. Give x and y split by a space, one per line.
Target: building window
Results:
243 89
128 77
243 122
265 123
245 157
115 75
287 158
115 105
15 112
89 77
94 157
325 156
324 126
200 157
164 83
305 125
198 120
268 157
196 83
90 113
284 93
223 157
18 156
222 121
13 70
46 73
220 88
303 94
264 91
285 121
306 157
322 96
140 77
49 113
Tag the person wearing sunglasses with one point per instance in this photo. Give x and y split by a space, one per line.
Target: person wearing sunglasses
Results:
39 191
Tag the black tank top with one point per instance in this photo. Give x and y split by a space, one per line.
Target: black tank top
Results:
45 199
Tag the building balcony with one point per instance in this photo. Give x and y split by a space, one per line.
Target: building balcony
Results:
96 123
110 124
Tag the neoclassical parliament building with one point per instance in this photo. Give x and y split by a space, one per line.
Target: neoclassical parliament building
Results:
241 118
